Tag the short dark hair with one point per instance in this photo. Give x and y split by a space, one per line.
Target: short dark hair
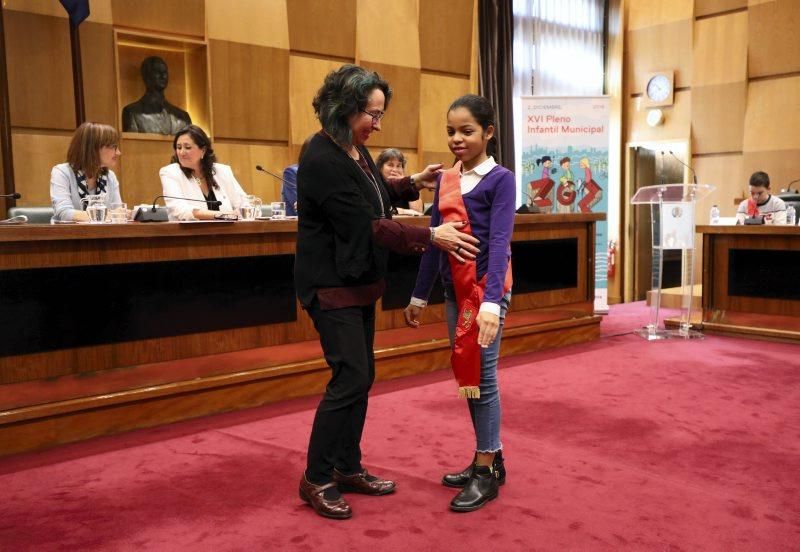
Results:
343 93
199 137
565 160
387 155
483 112
760 179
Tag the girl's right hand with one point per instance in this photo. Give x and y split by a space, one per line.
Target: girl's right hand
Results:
462 246
411 314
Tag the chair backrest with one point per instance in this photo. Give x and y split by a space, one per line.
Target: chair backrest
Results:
36 215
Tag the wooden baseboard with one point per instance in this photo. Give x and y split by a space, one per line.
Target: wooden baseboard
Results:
46 425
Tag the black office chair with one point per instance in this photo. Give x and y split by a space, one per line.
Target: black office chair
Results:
36 215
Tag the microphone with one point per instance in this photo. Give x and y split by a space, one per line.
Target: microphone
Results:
694 174
662 168
788 190
17 195
262 169
160 215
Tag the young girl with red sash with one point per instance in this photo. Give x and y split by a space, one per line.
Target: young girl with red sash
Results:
477 292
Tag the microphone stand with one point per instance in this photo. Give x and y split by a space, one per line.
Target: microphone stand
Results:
155 214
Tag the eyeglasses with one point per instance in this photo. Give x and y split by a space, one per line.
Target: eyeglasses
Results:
376 117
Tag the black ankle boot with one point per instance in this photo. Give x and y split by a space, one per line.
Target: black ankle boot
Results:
458 480
482 487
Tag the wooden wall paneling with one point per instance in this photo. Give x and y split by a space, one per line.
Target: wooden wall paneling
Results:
396 43
131 85
649 13
667 46
305 77
780 165
710 7
243 159
437 92
187 17
39 71
99 75
719 53
676 124
773 38
325 27
249 21
138 168
100 9
250 87
34 157
400 127
198 98
725 173
718 117
772 119
445 35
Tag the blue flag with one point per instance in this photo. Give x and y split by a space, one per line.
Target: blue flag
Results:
78 10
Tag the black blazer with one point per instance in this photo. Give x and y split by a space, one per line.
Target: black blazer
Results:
338 212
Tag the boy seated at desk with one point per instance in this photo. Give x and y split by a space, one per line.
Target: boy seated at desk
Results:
761 203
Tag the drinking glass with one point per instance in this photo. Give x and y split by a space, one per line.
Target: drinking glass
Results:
250 207
118 213
278 210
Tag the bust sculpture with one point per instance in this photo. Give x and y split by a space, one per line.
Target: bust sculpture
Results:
152 112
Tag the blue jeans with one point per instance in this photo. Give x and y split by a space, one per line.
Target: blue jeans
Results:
484 411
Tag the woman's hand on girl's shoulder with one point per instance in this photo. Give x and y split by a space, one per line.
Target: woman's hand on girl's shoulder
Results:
427 178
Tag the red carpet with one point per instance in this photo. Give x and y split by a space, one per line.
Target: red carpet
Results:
616 445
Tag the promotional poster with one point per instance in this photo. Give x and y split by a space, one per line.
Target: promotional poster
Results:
565 165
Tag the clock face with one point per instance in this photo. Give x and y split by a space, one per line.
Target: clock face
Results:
659 88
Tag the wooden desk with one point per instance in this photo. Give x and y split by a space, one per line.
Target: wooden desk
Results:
751 281
162 322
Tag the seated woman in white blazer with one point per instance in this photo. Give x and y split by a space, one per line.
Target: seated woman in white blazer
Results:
195 174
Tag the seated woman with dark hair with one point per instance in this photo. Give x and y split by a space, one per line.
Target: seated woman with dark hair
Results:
195 174
392 164
92 153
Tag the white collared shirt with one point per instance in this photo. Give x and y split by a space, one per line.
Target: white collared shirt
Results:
470 179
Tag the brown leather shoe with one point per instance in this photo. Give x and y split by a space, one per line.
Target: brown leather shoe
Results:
314 495
363 483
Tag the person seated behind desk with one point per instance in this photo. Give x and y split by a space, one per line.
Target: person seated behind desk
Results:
762 202
391 163
195 174
289 187
93 152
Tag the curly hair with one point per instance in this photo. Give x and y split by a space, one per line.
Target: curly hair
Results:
343 93
201 139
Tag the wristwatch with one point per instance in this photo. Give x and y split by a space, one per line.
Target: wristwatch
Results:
411 179
433 233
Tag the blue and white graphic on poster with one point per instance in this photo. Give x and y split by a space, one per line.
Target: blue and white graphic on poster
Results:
565 165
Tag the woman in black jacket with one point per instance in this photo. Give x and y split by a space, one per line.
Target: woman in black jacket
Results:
344 234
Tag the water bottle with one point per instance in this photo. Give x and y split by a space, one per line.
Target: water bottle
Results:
714 215
791 216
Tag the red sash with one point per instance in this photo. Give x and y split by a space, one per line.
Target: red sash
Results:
466 355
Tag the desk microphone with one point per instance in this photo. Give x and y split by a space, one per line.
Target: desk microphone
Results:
789 189
160 215
262 169
17 195
694 174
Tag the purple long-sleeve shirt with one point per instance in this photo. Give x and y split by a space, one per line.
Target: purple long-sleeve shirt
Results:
491 206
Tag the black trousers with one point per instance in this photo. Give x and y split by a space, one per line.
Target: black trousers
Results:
347 336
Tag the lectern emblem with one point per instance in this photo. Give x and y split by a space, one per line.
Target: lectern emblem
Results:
677 212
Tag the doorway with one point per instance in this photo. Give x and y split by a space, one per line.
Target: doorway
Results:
648 164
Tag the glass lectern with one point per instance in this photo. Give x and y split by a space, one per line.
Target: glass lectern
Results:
672 207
